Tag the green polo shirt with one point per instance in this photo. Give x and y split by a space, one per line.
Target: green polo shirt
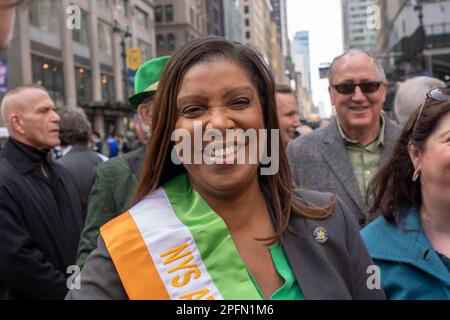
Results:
364 159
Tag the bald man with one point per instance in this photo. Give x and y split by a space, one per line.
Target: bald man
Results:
40 206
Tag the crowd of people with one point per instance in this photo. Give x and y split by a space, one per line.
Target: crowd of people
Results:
193 223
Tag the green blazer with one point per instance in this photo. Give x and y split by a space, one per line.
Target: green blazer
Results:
114 185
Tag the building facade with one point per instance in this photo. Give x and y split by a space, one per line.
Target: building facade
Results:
302 66
357 27
178 22
259 31
233 20
413 40
301 56
215 18
255 25
280 17
76 51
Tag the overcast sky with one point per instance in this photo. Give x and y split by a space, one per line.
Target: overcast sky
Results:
323 20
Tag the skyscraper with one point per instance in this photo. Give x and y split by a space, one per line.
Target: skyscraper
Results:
300 54
215 17
280 18
232 20
356 16
178 22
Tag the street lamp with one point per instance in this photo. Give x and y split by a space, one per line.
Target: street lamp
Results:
124 34
418 7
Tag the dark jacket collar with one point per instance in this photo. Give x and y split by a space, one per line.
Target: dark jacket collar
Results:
23 157
78 148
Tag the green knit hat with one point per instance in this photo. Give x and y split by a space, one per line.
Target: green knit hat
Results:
147 80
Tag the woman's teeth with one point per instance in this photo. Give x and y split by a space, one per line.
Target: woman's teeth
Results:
223 152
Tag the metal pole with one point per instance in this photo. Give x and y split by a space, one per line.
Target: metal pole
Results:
125 75
429 64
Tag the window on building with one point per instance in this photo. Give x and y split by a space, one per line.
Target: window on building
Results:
171 41
104 3
44 15
107 87
216 15
247 35
192 16
82 35
104 38
160 42
246 9
49 74
141 18
247 22
121 6
169 13
158 14
146 50
83 81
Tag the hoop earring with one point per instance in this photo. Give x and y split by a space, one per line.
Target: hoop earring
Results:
416 175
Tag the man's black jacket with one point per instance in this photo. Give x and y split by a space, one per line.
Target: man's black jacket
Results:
40 224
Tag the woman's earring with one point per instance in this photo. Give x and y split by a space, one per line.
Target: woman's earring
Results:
416 175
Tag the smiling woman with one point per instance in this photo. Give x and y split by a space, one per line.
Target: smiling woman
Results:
411 191
223 230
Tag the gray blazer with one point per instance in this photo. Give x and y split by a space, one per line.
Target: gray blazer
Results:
336 269
319 161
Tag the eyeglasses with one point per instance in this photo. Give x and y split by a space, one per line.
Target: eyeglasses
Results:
366 87
436 94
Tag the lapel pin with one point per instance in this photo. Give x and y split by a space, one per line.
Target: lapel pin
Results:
320 234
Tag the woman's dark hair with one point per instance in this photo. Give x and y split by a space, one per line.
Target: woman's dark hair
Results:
392 188
159 168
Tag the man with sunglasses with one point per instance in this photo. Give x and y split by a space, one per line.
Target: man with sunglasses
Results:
345 156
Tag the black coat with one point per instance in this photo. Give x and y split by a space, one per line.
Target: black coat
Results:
81 162
40 224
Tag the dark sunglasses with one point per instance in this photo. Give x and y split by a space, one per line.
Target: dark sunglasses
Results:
349 88
436 94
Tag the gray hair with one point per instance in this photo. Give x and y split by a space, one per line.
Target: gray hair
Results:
74 127
410 95
283 88
356 51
